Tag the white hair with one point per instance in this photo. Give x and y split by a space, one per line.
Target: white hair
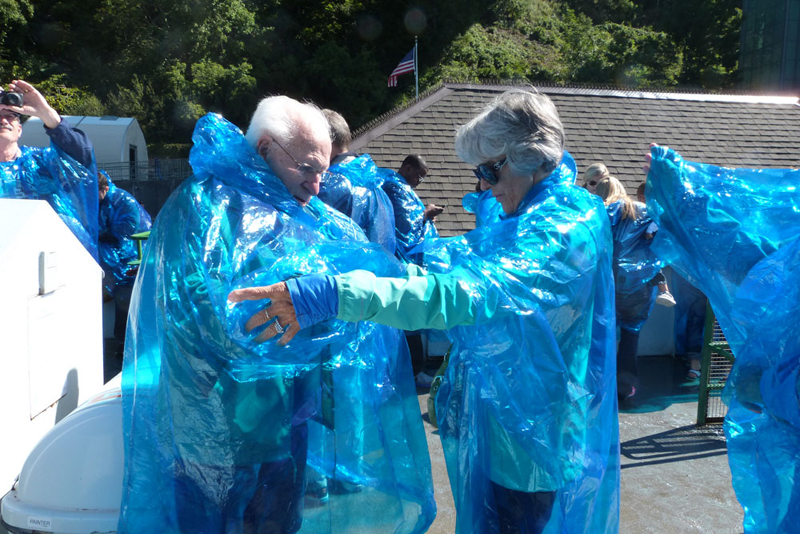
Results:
281 117
521 124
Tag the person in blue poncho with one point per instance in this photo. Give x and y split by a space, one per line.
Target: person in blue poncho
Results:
219 429
635 270
527 411
120 217
353 186
732 233
414 222
65 174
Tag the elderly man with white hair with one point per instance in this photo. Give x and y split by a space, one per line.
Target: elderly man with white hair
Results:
219 429
527 410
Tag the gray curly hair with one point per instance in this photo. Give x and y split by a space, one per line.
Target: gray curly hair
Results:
521 124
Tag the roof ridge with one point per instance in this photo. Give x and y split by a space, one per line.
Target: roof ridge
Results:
396 111
689 93
685 89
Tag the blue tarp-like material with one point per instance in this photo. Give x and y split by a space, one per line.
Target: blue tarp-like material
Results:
733 233
121 216
354 188
218 428
69 187
411 227
487 209
635 264
484 206
529 397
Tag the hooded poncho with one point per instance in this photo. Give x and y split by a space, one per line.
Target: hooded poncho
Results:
529 396
209 413
354 188
51 174
411 226
733 233
121 216
635 264
487 209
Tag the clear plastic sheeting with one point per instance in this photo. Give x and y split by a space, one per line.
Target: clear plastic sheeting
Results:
221 431
528 403
52 175
635 264
733 234
354 188
121 216
411 226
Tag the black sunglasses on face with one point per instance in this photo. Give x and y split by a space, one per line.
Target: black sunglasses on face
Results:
488 171
593 183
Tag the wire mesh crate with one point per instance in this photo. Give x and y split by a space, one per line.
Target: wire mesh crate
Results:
716 363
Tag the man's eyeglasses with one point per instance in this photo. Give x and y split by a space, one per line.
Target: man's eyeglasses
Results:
303 168
488 171
10 117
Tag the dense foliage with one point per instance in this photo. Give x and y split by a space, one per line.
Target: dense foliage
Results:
167 62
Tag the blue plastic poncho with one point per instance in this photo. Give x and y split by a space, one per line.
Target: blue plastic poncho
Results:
529 398
411 226
528 402
121 216
70 188
354 188
484 206
487 209
733 234
635 264
219 430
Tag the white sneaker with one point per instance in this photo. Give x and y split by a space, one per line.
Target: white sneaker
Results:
665 299
423 380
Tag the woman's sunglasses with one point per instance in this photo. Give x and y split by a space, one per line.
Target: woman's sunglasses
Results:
488 171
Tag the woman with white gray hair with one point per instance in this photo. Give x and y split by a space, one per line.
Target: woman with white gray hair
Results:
527 412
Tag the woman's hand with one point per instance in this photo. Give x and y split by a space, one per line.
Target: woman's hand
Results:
280 311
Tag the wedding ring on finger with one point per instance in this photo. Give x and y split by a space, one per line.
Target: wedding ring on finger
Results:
278 328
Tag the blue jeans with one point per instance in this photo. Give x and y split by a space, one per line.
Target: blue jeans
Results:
520 512
627 368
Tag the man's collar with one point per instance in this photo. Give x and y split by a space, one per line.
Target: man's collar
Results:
17 155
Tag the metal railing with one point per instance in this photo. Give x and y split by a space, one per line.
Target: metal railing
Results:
152 170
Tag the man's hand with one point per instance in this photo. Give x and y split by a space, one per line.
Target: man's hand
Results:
280 311
432 210
34 104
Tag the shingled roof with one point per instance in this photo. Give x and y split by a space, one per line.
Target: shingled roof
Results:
609 125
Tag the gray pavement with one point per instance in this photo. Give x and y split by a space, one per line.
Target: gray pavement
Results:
675 477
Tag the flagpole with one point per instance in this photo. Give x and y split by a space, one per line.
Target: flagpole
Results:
416 66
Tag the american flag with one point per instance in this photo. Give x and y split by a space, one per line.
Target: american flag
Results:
406 65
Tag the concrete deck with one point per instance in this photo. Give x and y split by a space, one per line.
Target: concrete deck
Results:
675 477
